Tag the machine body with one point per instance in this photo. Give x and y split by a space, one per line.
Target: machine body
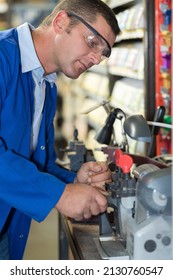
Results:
139 222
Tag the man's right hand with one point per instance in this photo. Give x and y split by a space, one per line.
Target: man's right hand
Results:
81 201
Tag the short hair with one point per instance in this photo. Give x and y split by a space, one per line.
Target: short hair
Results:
88 10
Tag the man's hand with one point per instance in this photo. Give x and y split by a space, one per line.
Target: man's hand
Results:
94 173
81 201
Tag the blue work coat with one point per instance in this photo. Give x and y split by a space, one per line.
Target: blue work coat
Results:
30 184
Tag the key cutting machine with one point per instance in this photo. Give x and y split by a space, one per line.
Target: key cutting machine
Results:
138 222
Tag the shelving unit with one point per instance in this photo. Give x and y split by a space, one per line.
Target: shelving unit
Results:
128 63
131 65
163 58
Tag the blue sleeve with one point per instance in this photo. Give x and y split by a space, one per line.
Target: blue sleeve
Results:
24 187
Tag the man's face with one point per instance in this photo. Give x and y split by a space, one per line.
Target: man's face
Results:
82 48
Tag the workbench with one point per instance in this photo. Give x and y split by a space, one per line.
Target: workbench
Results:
79 238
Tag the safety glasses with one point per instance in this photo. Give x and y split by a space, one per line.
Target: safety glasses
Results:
95 41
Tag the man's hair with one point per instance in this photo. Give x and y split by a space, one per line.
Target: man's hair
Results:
88 10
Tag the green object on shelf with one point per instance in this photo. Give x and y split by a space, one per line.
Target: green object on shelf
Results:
167 119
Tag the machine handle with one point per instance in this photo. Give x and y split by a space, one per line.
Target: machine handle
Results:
125 162
158 117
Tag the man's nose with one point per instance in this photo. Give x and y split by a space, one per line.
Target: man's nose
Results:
96 57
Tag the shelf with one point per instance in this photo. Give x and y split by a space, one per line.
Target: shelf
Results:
124 72
130 35
128 94
131 18
127 60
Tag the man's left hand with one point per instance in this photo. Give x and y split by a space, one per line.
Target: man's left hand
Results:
94 173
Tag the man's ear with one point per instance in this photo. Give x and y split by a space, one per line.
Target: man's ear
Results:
60 21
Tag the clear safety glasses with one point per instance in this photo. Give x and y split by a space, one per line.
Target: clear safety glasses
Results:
95 41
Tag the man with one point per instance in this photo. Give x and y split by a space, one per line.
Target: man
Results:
75 36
